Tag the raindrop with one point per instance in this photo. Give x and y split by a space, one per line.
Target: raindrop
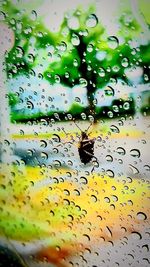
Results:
146 246
19 52
83 180
147 167
30 152
136 235
57 78
107 200
109 158
83 82
62 47
126 105
44 155
110 114
2 15
110 173
43 143
75 39
92 21
109 91
109 231
33 15
113 42
77 99
125 62
115 108
134 169
56 138
93 198
83 116
135 153
101 72
141 216
114 198
114 129
121 151
90 48
87 236
30 105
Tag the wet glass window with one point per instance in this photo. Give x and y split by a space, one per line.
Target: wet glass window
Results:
74 133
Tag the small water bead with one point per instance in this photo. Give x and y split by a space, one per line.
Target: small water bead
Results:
114 129
113 42
126 105
109 158
101 72
92 21
75 39
121 151
83 82
125 62
135 153
109 91
141 216
33 15
110 114
90 48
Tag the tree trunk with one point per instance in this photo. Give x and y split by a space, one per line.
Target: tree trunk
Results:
89 76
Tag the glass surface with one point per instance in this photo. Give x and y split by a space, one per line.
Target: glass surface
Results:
74 133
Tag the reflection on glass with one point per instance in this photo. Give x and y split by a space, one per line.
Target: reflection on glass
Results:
74 120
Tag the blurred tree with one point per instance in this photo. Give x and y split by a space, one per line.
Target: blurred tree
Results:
90 58
81 53
30 36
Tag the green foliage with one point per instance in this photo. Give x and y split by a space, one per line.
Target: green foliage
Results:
76 109
82 53
30 36
13 99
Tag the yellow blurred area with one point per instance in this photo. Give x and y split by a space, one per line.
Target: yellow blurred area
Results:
41 203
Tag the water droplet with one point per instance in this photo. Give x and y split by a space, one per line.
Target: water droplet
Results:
77 99
33 15
134 169
83 180
75 39
43 143
109 158
83 82
90 48
109 91
107 199
110 114
101 72
114 129
115 108
92 21
62 46
110 173
136 235
135 153
113 42
125 62
147 167
120 151
126 105
141 216
44 155
30 105
93 198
